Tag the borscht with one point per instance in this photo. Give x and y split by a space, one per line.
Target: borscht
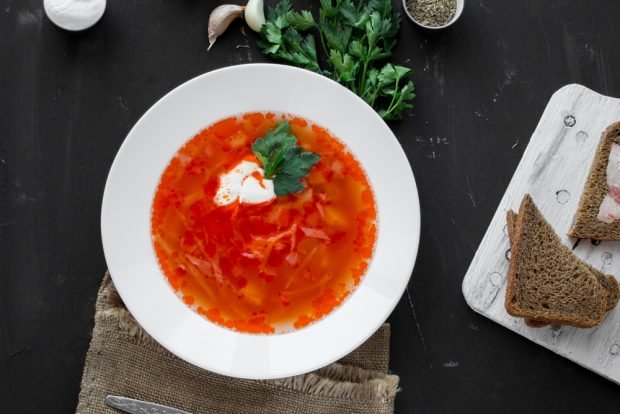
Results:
264 222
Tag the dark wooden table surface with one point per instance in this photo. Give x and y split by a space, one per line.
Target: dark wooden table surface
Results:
67 100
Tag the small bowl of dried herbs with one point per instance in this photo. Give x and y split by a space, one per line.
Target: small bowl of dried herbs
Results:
433 14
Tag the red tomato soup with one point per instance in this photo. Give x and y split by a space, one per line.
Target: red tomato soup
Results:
271 267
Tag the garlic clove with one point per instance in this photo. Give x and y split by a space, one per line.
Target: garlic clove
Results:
255 14
220 19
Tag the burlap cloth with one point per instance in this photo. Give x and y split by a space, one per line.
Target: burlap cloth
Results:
123 360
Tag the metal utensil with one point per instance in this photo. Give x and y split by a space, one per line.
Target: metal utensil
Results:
131 406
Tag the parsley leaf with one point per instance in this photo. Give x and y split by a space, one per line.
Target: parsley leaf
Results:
389 80
354 37
302 20
283 160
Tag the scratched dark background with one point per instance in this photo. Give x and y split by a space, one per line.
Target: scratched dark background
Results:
68 100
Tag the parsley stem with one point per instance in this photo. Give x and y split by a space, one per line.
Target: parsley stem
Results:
322 41
373 97
371 45
391 106
363 78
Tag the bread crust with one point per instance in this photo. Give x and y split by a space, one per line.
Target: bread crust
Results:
532 323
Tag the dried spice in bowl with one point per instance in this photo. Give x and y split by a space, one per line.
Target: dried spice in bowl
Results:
432 13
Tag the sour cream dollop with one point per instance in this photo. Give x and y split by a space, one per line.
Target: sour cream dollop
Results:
245 183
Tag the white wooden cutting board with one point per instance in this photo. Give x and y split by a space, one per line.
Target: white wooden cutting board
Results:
553 170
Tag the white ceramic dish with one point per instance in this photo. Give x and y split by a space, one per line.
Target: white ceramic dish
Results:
135 173
460 5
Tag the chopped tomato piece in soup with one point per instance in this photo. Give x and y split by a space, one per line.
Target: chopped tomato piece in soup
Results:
269 266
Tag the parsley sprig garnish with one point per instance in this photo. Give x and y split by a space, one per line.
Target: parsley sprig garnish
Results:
354 37
283 160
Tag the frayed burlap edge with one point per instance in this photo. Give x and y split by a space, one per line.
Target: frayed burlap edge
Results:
335 380
344 381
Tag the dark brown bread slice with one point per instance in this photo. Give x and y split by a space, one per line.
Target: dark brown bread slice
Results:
546 282
511 222
585 223
608 282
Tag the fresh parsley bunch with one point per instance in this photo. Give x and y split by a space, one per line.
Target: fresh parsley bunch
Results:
355 37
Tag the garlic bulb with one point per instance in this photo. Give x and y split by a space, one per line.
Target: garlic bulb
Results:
74 14
254 14
220 19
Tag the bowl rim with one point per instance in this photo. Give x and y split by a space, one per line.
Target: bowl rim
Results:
460 6
173 329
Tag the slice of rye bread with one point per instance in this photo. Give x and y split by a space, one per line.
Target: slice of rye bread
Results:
608 282
585 224
511 221
546 282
